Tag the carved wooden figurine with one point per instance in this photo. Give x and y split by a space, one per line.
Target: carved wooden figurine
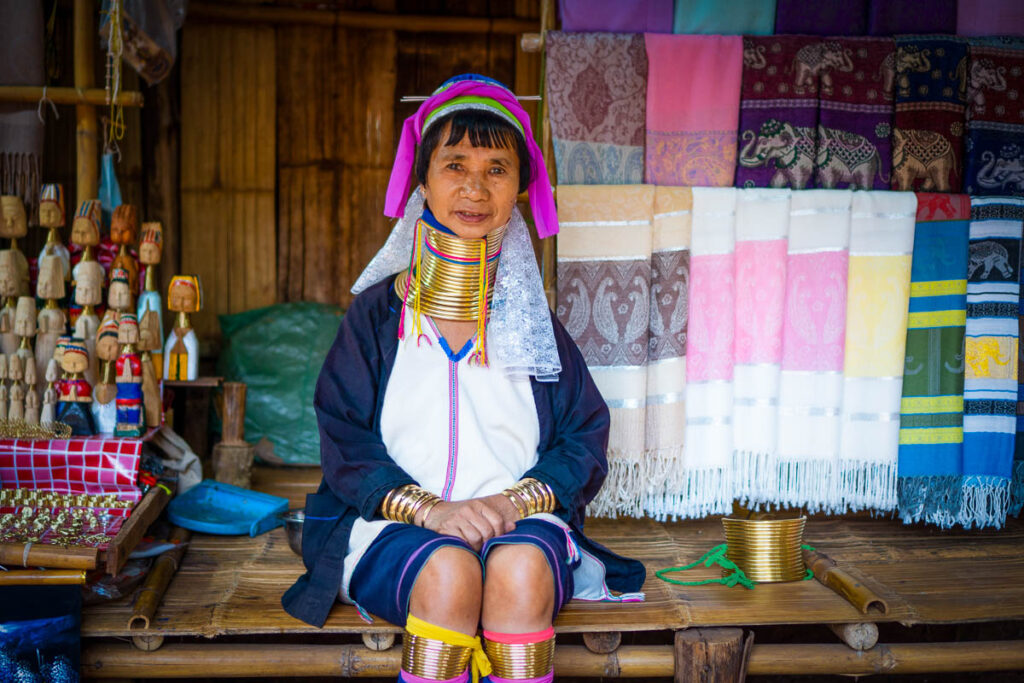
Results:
85 234
73 407
88 293
107 348
25 327
51 215
16 395
119 294
15 226
51 321
181 352
9 291
124 230
130 420
3 387
150 308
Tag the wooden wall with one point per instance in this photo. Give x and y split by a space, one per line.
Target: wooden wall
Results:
288 133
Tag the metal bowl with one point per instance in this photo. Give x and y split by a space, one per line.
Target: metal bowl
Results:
293 521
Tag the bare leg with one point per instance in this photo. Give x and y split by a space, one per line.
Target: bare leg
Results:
448 590
519 592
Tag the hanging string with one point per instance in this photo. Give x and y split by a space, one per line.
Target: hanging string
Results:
717 556
39 108
115 50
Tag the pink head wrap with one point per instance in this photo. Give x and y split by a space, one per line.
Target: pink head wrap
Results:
542 203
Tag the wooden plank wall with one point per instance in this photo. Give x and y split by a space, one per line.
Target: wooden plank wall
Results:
228 172
301 224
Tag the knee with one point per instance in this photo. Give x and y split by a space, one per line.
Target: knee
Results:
519 590
448 590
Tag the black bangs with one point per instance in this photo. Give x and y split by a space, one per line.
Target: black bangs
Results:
484 129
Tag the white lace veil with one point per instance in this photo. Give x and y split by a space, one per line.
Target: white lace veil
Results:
520 338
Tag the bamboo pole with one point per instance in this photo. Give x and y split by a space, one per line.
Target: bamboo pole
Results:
41 577
43 555
216 660
856 636
548 266
144 514
856 593
88 176
96 97
241 14
155 585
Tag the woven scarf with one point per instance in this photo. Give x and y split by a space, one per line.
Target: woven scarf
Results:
928 121
995 113
990 384
666 369
636 16
707 489
855 117
989 18
889 17
604 280
744 17
21 130
1017 479
693 98
779 111
813 334
762 227
822 17
931 412
596 89
881 246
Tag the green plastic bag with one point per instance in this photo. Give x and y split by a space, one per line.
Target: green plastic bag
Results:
278 351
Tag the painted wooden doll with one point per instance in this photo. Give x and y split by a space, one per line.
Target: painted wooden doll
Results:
89 278
130 420
124 230
150 308
181 352
85 234
15 226
52 215
107 349
73 403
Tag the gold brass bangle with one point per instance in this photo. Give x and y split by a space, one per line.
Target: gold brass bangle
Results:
516 501
434 659
431 504
535 496
403 503
518 661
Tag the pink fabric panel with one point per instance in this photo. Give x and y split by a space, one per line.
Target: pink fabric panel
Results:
760 295
990 17
814 330
540 679
406 677
520 638
709 352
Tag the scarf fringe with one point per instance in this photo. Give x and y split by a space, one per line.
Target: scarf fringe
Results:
932 499
866 485
21 174
1017 488
985 502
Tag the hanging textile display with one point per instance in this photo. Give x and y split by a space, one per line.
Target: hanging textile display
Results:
989 18
991 346
995 118
855 115
890 17
745 17
596 88
604 280
1017 477
707 488
762 227
693 99
822 18
932 409
21 126
928 121
811 382
666 366
878 291
636 16
779 110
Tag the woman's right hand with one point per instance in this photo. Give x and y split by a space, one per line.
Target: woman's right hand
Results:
475 521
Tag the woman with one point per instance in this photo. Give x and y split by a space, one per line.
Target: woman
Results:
461 434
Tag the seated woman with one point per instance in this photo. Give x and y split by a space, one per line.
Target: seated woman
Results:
461 434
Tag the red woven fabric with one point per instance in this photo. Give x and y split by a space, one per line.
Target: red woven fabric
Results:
93 465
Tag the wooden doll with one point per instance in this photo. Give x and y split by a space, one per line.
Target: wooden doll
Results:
51 321
25 327
124 230
150 308
53 377
181 352
85 234
31 406
15 226
73 404
9 292
51 215
89 277
129 380
3 387
107 349
16 395
119 294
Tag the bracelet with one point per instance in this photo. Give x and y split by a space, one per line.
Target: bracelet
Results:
402 504
533 496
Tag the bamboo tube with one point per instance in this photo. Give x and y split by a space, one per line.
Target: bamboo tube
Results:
853 591
96 97
42 555
548 255
240 14
41 577
856 636
88 175
144 514
216 660
155 585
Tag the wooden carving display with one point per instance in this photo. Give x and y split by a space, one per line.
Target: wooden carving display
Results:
15 226
124 231
130 421
181 352
73 403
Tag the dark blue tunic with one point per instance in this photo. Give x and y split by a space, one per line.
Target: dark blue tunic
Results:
358 472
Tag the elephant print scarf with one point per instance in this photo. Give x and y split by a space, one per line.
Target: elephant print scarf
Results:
995 118
928 122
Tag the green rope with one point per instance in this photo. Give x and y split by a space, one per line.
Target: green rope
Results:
717 556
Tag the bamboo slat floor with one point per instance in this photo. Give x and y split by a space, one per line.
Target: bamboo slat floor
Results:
232 585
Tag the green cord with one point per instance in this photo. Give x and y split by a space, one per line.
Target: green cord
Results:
717 556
